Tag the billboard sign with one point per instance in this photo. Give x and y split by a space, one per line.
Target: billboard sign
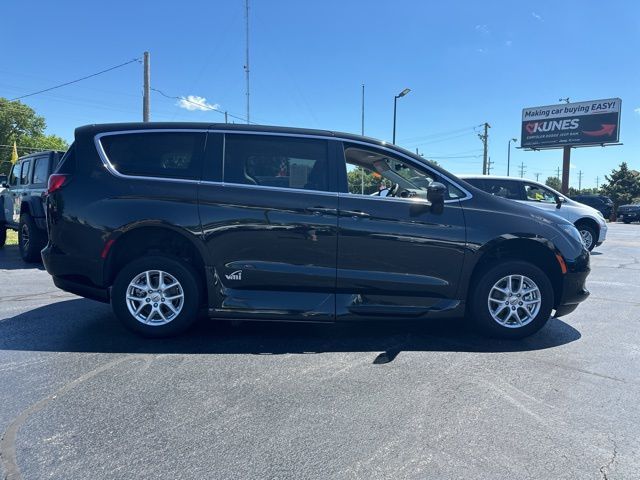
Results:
584 123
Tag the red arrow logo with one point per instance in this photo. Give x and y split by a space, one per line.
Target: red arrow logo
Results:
531 127
607 129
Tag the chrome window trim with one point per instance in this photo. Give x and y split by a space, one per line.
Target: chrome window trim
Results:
412 160
112 169
267 187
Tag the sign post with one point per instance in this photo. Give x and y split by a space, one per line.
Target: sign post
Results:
571 125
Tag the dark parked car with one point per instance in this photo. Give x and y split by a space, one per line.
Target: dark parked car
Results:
21 202
629 213
270 223
601 203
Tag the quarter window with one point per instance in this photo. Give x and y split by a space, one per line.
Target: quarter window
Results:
274 161
24 172
40 170
155 154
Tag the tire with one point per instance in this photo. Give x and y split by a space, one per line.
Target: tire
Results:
587 232
3 236
31 240
626 220
164 322
496 275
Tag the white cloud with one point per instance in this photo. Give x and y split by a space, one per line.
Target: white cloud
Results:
481 50
536 16
194 102
637 110
483 29
508 43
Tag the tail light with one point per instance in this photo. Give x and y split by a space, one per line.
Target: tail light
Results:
56 181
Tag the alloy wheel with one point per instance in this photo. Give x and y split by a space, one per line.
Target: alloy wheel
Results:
514 301
587 238
155 297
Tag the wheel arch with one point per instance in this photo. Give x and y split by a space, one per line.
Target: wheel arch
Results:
152 238
591 223
537 251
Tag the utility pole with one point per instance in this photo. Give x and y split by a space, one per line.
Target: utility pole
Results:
489 163
522 169
246 65
566 163
558 173
226 119
537 176
580 181
362 121
597 183
485 141
147 88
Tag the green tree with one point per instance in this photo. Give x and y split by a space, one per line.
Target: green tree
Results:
553 182
366 184
623 185
20 123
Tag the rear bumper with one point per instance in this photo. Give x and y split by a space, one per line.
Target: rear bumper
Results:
633 216
77 287
77 276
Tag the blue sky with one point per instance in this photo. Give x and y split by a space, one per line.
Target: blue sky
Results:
466 62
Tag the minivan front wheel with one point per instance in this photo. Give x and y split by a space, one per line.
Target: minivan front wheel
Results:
588 235
156 296
512 299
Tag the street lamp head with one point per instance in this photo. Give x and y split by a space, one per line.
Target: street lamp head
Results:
403 92
514 140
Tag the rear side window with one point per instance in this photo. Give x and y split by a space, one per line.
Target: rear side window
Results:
273 161
41 170
24 172
161 154
503 188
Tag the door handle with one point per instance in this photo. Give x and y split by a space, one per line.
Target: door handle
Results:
321 211
354 213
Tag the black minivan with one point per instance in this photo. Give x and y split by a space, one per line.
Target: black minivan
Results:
165 220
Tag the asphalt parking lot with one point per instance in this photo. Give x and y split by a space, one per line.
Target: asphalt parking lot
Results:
80 397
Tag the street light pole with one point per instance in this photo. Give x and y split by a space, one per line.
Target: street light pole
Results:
395 102
514 140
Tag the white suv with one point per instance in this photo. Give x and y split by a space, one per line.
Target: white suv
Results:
589 221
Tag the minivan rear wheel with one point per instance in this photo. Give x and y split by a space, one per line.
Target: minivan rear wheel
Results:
512 299
156 296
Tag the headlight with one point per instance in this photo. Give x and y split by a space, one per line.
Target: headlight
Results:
571 231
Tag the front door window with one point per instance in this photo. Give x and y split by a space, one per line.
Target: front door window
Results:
536 193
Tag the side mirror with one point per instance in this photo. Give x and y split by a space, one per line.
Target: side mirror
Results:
560 201
435 194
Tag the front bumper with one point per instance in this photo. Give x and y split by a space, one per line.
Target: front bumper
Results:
573 288
603 233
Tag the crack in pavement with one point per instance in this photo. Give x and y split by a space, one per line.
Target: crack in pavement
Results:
8 458
604 469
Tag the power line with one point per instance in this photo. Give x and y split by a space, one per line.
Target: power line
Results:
75 81
201 105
